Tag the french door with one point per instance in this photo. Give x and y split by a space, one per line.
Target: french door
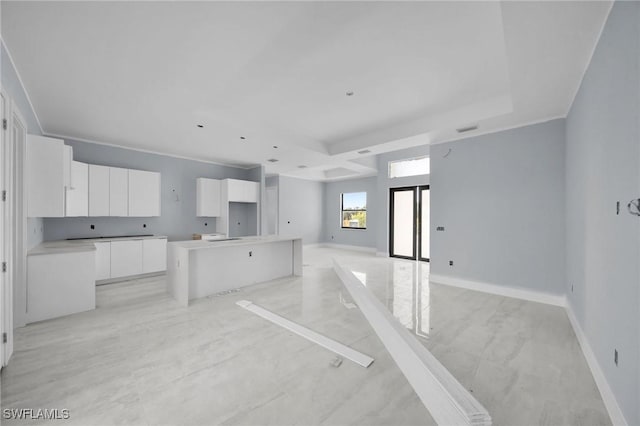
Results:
409 222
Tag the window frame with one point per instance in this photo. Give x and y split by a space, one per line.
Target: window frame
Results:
342 210
422 157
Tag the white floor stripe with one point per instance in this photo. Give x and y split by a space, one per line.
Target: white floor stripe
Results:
446 399
332 345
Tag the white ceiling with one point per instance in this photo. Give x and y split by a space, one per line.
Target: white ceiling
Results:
144 74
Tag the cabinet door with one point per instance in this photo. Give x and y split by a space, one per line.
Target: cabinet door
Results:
207 197
126 258
98 190
144 193
242 191
67 160
154 255
78 193
251 191
103 261
118 192
45 159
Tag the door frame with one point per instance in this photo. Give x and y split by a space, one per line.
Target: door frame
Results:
4 110
419 220
14 221
391 217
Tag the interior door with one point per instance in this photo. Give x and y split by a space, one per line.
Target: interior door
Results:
402 223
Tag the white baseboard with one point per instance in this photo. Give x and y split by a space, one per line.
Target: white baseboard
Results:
517 293
348 247
615 413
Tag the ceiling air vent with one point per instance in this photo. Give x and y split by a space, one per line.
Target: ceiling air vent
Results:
467 129
364 151
272 160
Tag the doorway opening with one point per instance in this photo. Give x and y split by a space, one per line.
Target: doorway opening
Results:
409 222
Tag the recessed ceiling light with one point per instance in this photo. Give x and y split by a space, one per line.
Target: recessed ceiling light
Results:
200 126
364 151
242 138
272 160
350 93
302 166
467 129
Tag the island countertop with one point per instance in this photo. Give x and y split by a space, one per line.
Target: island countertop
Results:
200 268
229 242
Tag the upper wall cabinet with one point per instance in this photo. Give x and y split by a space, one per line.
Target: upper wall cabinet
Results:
144 193
207 197
118 192
242 191
98 190
122 192
78 193
48 163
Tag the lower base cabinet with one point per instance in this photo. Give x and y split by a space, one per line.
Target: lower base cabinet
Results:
125 258
60 284
103 261
154 255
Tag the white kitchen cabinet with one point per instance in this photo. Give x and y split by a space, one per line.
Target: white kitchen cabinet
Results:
98 190
103 261
48 175
67 160
242 191
144 193
126 258
60 283
78 193
118 191
207 197
154 255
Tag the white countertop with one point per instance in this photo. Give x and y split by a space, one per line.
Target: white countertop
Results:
237 241
75 246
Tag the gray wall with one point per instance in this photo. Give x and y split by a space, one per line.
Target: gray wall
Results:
603 249
178 197
333 232
12 87
384 183
300 209
500 198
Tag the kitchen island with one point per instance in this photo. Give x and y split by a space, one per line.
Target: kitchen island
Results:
199 268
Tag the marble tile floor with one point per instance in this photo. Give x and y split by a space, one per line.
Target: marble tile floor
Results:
140 359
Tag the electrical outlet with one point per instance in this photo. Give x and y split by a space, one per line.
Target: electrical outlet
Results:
93 227
617 207
451 263
615 357
250 254
440 228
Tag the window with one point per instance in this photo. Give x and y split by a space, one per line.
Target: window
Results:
410 167
354 210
